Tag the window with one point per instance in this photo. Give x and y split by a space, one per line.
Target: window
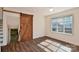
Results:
62 24
68 24
54 25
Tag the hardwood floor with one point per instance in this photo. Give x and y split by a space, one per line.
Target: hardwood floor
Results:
40 45
29 46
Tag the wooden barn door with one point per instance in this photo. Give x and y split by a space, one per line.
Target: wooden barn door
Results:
26 27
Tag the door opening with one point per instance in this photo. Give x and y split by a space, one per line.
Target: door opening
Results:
14 35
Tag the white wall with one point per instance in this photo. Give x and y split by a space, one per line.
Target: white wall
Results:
11 20
74 38
5 30
38 26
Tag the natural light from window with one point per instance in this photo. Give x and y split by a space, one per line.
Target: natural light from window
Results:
62 24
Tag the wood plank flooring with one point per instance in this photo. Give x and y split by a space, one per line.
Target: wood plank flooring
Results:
28 46
33 46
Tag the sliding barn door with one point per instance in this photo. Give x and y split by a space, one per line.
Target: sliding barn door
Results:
26 27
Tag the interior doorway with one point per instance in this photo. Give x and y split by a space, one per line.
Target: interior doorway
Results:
14 35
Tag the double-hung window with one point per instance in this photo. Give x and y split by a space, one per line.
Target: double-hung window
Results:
62 24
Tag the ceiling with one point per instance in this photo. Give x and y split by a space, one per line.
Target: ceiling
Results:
38 10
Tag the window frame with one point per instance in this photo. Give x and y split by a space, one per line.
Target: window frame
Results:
63 25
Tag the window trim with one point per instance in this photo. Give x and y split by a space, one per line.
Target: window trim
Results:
64 26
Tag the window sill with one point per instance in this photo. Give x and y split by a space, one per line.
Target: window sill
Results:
62 33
